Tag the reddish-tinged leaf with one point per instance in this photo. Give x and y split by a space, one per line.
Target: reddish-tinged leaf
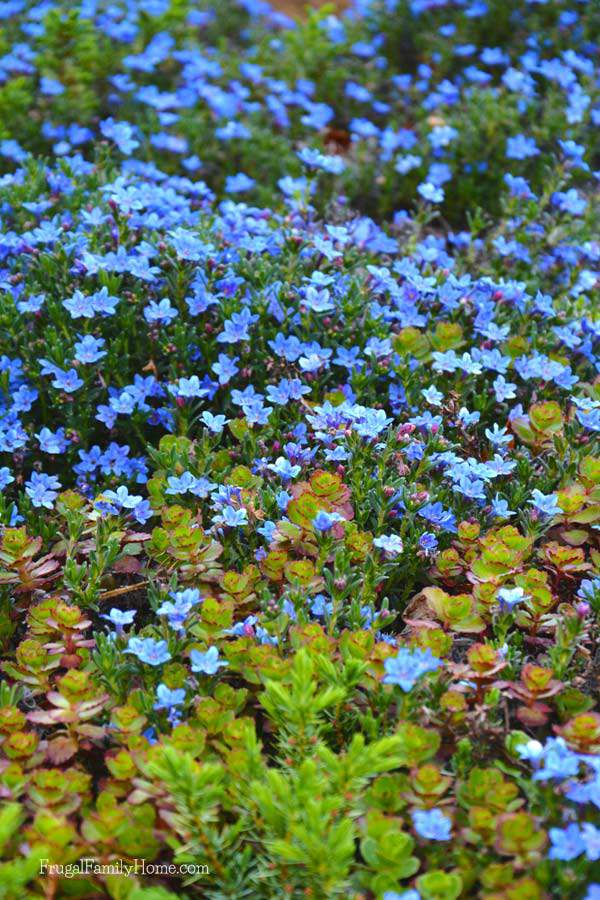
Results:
61 749
127 565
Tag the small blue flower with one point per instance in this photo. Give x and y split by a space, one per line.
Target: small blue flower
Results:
176 613
521 147
430 192
208 663
6 477
121 133
325 521
499 508
150 735
320 606
167 699
389 543
161 313
42 489
567 843
235 184
284 469
88 349
231 518
215 424
119 618
552 759
498 436
591 840
432 824
509 597
188 595
428 542
546 504
53 442
149 651
408 666
432 395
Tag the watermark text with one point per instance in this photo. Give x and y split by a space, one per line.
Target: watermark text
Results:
127 868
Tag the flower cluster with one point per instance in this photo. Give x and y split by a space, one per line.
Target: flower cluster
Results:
300 448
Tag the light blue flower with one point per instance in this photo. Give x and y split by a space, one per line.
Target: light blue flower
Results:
167 699
567 843
546 504
408 666
432 824
509 597
391 544
324 521
149 651
207 663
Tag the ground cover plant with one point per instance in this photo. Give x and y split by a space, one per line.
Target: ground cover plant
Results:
300 470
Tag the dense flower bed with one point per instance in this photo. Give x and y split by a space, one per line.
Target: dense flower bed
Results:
300 475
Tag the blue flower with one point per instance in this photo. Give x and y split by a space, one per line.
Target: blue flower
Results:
231 518
320 606
437 515
89 349
235 184
432 395
119 618
591 839
121 133
408 666
467 418
389 543
149 651
335 165
519 187
432 824
498 436
521 147
430 192
207 663
509 597
189 388
504 390
406 163
188 595
325 521
282 499
42 489
177 611
225 368
167 699
150 735
552 759
545 503
567 843
472 488
235 329
52 441
570 202
499 508
428 542
162 312
215 424
69 382
284 469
